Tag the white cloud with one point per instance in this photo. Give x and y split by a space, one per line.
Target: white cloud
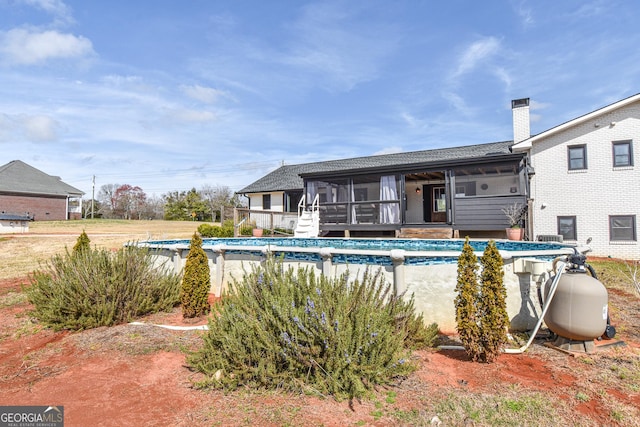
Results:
457 102
190 116
479 52
40 128
57 8
525 13
503 75
6 128
204 94
25 47
333 42
389 150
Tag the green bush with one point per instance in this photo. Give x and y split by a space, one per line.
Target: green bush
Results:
481 310
196 281
282 328
492 304
209 230
467 289
92 288
83 243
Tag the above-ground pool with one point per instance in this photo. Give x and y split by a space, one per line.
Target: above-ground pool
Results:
426 269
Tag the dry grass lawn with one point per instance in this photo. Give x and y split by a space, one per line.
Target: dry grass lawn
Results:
20 254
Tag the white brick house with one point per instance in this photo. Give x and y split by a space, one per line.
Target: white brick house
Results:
586 185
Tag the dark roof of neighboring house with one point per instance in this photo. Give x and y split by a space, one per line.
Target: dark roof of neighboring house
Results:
288 177
20 178
15 217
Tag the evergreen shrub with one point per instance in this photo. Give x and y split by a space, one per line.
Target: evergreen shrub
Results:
492 303
92 288
481 310
467 288
209 230
290 329
83 243
196 281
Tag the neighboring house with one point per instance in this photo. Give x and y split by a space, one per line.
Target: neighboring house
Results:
586 185
27 192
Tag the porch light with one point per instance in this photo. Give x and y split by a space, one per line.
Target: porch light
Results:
418 190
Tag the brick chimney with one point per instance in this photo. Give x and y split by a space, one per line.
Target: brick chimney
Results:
521 127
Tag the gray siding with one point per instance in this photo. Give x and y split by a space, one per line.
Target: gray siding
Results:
483 213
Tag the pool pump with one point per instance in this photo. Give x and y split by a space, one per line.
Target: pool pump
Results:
578 312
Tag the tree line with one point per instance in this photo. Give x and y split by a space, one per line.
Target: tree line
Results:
116 201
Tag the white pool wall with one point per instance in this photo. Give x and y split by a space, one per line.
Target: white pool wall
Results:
432 286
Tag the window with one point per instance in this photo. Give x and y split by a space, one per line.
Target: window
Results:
622 227
577 157
622 154
266 202
567 227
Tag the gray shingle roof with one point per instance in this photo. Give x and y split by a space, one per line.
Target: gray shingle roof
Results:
20 178
288 177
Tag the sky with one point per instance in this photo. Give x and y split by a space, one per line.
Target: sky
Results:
170 95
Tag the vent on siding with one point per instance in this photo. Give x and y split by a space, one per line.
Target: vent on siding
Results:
550 238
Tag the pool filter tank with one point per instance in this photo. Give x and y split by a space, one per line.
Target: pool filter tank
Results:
578 312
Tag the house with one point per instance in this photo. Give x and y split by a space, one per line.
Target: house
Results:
586 186
429 193
578 182
30 194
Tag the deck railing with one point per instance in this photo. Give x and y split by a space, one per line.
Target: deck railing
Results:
273 223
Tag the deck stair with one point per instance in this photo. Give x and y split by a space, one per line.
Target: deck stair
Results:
308 218
308 225
426 233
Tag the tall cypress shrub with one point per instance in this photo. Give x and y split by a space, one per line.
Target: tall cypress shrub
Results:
492 304
196 281
467 321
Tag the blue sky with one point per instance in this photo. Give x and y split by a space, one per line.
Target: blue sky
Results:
170 95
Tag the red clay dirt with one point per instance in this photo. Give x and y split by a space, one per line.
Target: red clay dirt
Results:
131 375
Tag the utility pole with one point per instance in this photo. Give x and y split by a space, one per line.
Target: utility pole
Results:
93 193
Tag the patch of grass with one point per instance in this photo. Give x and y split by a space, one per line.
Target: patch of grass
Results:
486 409
377 414
613 273
27 328
391 397
12 298
582 397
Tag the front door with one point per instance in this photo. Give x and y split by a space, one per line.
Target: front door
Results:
435 203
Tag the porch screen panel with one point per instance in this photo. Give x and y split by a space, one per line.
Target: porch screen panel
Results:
389 212
312 190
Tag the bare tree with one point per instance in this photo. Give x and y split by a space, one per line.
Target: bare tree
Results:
217 198
106 197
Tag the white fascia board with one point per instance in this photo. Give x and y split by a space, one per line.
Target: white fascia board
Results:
527 143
